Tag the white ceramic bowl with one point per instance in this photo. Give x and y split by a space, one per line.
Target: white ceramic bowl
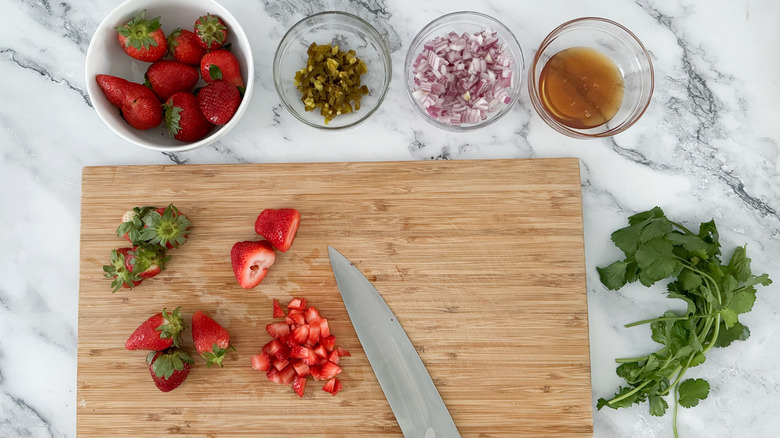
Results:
105 56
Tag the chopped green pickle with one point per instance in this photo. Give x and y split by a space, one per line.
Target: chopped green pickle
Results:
331 81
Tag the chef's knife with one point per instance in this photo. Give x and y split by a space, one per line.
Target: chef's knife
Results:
413 397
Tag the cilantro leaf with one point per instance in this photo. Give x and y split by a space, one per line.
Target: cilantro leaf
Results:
691 391
742 301
727 335
739 265
656 260
691 243
614 275
657 406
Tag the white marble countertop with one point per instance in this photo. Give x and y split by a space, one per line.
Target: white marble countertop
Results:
707 148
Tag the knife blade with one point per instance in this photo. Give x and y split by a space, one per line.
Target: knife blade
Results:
412 396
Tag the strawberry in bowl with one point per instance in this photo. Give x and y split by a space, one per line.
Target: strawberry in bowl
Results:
177 29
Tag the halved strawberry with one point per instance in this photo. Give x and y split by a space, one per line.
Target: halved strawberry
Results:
261 361
278 312
278 226
277 330
165 227
211 339
299 384
251 261
333 386
158 332
118 272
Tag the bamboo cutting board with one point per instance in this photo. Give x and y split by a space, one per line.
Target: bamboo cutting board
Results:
481 261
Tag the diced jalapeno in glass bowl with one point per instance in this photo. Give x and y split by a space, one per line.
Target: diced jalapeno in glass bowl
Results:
332 70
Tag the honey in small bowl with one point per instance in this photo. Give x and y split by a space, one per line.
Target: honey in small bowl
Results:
581 87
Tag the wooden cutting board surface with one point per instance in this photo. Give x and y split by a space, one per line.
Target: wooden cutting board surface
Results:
481 261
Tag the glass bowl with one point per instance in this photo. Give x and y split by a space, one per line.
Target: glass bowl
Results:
472 23
349 32
622 47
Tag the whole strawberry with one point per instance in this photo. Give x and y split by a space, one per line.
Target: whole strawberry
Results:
166 78
114 88
218 101
139 105
169 368
143 39
211 31
117 271
158 332
211 339
183 118
185 47
221 64
146 261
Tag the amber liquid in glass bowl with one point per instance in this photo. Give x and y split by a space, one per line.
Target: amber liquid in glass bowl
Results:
581 87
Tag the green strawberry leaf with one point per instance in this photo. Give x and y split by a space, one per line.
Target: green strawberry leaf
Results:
214 72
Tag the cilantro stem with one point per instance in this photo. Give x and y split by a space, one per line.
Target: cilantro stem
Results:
674 416
629 393
662 318
681 227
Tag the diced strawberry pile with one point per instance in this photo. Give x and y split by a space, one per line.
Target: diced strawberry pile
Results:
302 346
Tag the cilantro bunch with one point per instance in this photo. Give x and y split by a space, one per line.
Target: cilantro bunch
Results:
657 249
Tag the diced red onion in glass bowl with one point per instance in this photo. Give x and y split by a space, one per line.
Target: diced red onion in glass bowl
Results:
463 69
461 78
